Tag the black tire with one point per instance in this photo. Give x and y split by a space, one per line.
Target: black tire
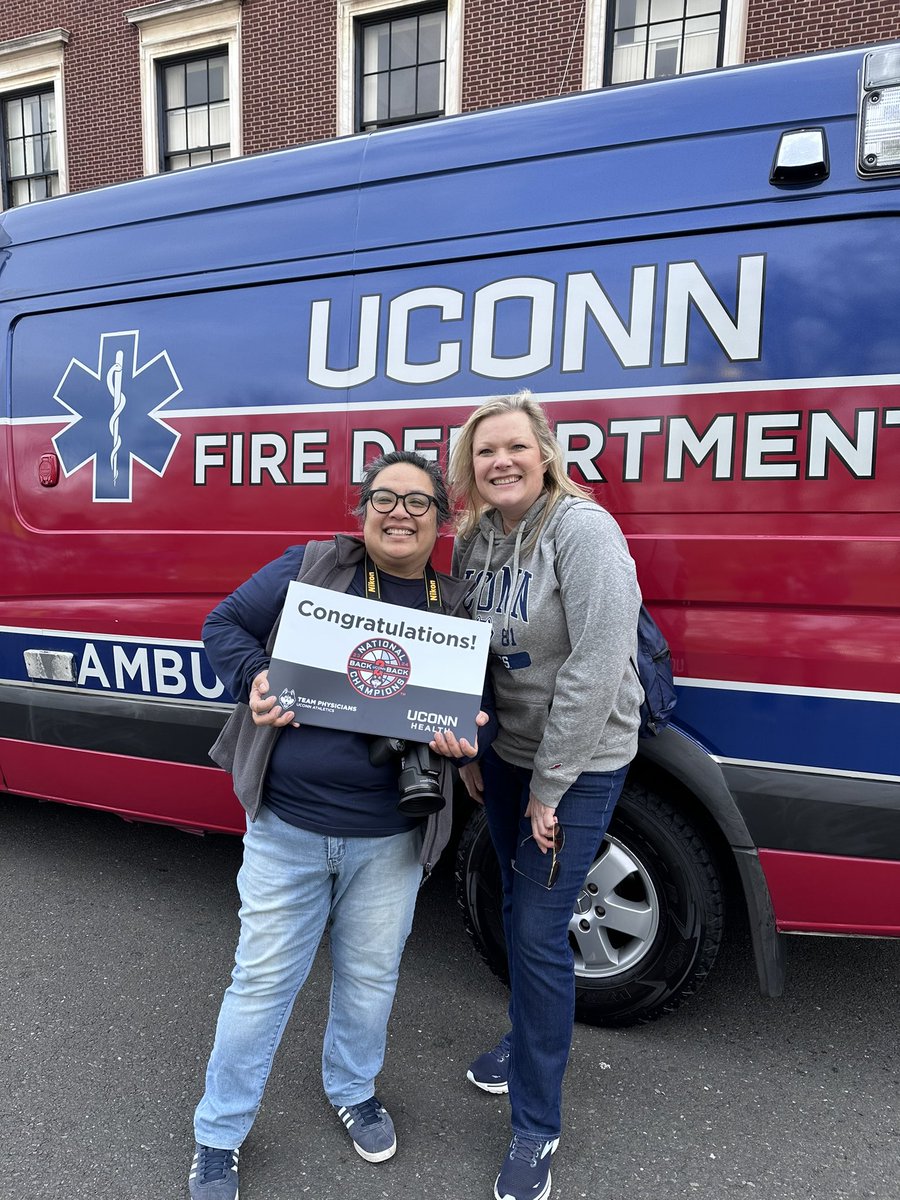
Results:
654 938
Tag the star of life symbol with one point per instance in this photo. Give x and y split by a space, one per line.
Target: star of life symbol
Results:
115 420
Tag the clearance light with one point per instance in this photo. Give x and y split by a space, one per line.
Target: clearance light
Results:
879 113
801 157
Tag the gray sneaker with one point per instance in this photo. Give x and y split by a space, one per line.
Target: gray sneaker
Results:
214 1174
370 1126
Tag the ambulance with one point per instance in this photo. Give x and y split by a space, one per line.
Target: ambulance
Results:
699 277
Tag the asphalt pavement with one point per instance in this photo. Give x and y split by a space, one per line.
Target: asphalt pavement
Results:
117 944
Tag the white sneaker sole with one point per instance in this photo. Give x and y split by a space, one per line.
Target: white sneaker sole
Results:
378 1155
496 1089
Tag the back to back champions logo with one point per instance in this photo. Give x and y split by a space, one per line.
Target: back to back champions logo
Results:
378 668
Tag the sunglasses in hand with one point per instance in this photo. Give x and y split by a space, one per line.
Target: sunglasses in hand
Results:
534 864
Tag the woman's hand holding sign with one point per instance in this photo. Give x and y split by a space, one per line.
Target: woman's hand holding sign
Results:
265 709
447 744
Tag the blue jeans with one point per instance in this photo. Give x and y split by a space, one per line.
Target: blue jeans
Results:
292 885
536 921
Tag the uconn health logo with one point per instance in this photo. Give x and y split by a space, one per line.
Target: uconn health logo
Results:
115 415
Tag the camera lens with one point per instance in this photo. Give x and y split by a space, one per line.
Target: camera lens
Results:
420 792
419 781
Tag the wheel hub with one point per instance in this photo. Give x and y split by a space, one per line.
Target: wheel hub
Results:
616 915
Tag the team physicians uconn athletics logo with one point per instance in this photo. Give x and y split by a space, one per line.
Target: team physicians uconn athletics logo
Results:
378 668
114 411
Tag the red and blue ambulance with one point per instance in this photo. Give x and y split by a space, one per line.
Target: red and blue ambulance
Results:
698 277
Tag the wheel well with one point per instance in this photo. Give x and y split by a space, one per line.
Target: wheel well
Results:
655 777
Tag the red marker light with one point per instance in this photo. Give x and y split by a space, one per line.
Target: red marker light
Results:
48 470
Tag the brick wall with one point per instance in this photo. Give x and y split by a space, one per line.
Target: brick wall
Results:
101 79
776 29
289 72
520 50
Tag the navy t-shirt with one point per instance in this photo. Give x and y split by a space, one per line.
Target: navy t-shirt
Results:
322 780
319 779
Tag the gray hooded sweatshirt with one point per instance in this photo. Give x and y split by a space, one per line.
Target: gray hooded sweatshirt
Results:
564 645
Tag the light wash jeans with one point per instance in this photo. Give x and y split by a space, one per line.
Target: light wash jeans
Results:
292 885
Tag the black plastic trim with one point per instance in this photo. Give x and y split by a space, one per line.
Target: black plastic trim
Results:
140 728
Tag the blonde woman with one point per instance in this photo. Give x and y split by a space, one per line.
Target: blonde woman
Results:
550 570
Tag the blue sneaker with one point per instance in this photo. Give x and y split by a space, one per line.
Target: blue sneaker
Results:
525 1174
214 1174
370 1126
490 1071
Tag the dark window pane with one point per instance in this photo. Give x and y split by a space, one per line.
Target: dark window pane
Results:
432 30
404 39
665 61
196 91
431 88
631 12
218 79
403 92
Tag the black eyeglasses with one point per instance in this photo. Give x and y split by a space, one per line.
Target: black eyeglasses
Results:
417 504
537 871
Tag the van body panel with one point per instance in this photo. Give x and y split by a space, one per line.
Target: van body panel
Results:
800 885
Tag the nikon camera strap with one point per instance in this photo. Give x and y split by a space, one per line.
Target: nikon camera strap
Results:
433 600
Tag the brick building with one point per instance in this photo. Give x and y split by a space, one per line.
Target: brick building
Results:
100 91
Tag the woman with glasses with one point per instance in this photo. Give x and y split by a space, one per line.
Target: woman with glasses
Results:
550 569
326 845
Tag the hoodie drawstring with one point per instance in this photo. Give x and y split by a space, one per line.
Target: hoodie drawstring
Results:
520 534
507 616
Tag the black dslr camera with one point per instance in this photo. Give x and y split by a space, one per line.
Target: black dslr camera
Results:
419 781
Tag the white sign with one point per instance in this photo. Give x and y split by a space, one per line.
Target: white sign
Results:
351 663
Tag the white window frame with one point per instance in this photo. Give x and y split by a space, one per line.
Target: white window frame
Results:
349 11
595 38
175 29
33 62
